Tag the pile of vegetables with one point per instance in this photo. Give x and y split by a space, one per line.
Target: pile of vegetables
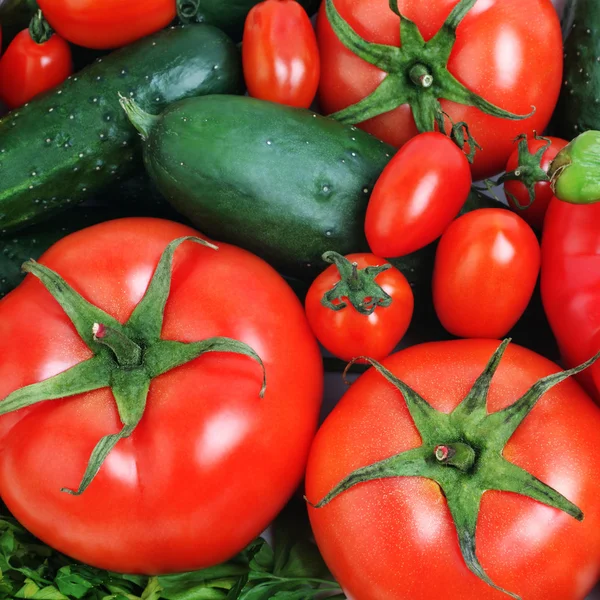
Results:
211 209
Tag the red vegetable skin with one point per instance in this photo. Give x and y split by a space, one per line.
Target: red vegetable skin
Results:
280 54
487 264
418 194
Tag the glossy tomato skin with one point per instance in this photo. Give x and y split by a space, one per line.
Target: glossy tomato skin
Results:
28 69
486 267
394 538
109 23
194 482
348 334
418 194
280 54
499 52
536 213
570 283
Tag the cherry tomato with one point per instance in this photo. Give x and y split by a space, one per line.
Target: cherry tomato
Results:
395 538
103 24
499 49
360 306
486 267
517 191
280 54
418 194
29 68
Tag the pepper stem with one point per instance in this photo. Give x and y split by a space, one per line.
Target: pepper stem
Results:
126 351
458 455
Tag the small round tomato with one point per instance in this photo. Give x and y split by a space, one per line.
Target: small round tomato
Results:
360 306
486 267
399 503
418 194
107 23
37 60
280 54
526 183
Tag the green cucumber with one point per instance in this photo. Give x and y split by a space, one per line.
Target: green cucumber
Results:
228 15
283 182
578 108
61 148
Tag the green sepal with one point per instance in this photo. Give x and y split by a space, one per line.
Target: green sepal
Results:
356 285
39 29
462 453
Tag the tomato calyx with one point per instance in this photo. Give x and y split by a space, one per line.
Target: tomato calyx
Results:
126 357
39 29
462 453
417 72
356 285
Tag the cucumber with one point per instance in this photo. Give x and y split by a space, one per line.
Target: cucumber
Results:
61 148
228 15
285 183
578 108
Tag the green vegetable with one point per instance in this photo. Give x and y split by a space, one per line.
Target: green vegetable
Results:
575 172
73 141
228 16
285 183
292 570
578 108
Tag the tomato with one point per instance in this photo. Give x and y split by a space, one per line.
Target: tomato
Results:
280 54
360 306
394 537
193 483
107 24
35 61
499 49
486 267
532 170
571 283
418 194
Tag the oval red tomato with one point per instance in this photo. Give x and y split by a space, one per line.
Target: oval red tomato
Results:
499 48
193 484
385 302
517 193
109 23
416 197
28 68
486 267
394 538
280 54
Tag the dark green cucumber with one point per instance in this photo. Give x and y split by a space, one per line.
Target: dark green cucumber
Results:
228 15
285 183
578 108
73 141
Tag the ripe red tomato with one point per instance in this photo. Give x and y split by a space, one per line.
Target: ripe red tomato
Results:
193 484
29 68
418 194
499 48
486 267
385 306
535 212
394 538
280 54
109 23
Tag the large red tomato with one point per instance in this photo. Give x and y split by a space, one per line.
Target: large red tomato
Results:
509 52
106 24
194 482
394 537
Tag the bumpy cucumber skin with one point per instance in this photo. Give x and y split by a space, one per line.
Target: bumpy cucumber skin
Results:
59 149
578 108
230 15
284 183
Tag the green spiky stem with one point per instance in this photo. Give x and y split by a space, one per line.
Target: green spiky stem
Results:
417 72
39 29
126 358
465 471
358 286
